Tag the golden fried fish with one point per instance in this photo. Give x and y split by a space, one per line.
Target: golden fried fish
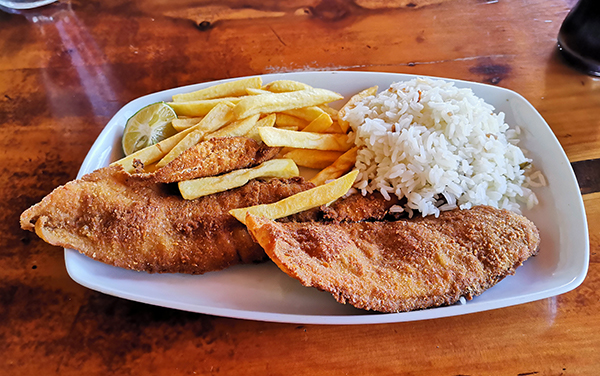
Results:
402 265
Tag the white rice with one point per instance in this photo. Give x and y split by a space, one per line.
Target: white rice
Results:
439 146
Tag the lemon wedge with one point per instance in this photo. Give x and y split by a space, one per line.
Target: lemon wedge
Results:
148 126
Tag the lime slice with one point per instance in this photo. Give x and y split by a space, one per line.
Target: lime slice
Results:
148 126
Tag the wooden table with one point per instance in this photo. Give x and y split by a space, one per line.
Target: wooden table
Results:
65 70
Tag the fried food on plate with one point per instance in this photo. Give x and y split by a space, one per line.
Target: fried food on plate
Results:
267 121
213 157
289 121
301 201
152 153
227 89
320 124
181 124
339 167
307 113
277 102
282 86
220 115
311 158
402 265
201 107
353 208
127 221
275 168
304 140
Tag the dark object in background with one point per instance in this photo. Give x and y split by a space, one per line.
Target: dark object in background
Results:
579 37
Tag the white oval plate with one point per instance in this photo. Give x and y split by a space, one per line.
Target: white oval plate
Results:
263 292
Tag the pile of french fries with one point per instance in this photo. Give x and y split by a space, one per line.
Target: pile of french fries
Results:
287 114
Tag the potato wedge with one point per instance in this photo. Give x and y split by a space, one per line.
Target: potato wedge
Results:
338 168
317 159
152 153
351 103
220 115
280 168
228 89
282 86
304 140
278 102
305 200
319 125
201 107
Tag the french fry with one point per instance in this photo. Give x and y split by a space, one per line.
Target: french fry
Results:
289 128
286 150
284 121
152 153
181 124
317 159
338 168
227 89
237 128
220 115
304 140
201 107
335 128
319 125
267 121
282 86
280 168
305 200
278 102
307 113
351 103
330 110
150 168
253 91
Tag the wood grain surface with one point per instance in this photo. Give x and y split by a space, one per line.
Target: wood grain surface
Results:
65 69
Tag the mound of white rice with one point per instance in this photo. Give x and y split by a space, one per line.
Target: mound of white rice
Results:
439 146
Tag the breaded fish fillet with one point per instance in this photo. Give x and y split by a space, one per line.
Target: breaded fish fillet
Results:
128 221
353 208
215 156
402 265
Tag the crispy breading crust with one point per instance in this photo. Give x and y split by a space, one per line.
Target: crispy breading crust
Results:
403 265
213 157
127 221
353 208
